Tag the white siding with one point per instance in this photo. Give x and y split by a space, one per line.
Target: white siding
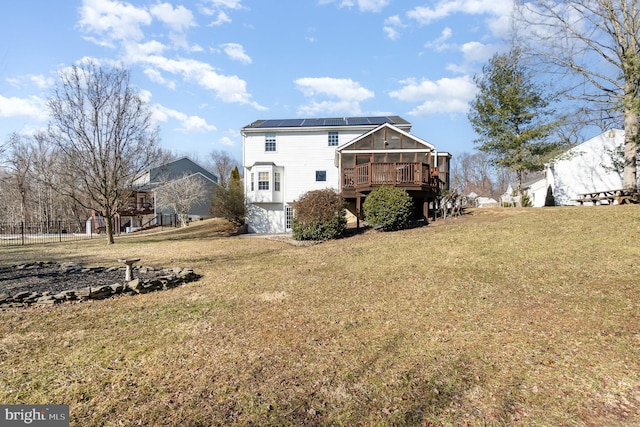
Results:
265 218
299 154
537 192
586 167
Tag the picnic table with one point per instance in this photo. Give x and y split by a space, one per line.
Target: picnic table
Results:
621 196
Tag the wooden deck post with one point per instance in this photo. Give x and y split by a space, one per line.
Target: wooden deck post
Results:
358 205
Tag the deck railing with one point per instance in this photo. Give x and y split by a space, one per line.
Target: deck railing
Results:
134 208
394 174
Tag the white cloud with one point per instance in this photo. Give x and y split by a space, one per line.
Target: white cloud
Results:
178 19
346 95
476 51
440 44
223 18
30 80
33 107
227 88
372 5
425 14
113 20
122 23
156 77
236 52
363 5
391 26
138 51
447 95
217 7
231 138
228 4
473 53
225 140
189 124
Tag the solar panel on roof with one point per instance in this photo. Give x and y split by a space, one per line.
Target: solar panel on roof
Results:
379 120
313 122
358 121
292 122
269 123
336 121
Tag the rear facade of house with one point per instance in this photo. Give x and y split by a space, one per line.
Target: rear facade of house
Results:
284 159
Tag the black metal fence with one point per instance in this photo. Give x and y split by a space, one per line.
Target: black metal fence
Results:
26 233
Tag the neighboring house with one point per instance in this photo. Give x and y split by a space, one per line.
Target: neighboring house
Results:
486 202
536 189
587 167
141 211
284 159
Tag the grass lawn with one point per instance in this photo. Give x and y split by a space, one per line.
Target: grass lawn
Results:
508 317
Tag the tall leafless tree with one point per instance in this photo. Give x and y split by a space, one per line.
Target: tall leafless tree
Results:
104 135
222 165
19 165
597 41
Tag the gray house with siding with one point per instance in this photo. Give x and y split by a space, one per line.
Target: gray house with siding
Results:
141 207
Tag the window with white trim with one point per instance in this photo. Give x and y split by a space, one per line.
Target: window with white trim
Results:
263 180
276 181
270 142
321 176
333 139
253 176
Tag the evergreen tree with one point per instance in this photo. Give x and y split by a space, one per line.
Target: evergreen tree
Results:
511 116
228 201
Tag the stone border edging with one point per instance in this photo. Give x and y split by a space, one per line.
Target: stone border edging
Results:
172 278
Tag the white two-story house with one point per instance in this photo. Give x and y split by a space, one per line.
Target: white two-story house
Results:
284 159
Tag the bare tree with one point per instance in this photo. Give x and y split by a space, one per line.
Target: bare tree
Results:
181 195
599 42
222 165
19 164
104 135
471 172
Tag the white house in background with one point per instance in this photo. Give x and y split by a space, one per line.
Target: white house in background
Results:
284 159
587 167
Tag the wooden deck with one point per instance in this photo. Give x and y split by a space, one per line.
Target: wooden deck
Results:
410 176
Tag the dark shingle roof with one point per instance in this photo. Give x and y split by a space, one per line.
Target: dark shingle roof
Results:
337 121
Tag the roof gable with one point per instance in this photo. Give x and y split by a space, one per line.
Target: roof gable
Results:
389 130
178 168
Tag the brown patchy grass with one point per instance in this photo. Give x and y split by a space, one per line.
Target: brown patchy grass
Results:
503 317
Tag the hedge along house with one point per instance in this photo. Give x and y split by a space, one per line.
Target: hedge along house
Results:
283 159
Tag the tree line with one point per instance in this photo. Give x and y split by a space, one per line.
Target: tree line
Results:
99 141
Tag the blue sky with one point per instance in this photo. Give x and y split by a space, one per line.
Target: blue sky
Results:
210 67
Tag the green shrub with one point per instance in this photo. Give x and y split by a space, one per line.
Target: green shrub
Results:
319 230
389 208
319 215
